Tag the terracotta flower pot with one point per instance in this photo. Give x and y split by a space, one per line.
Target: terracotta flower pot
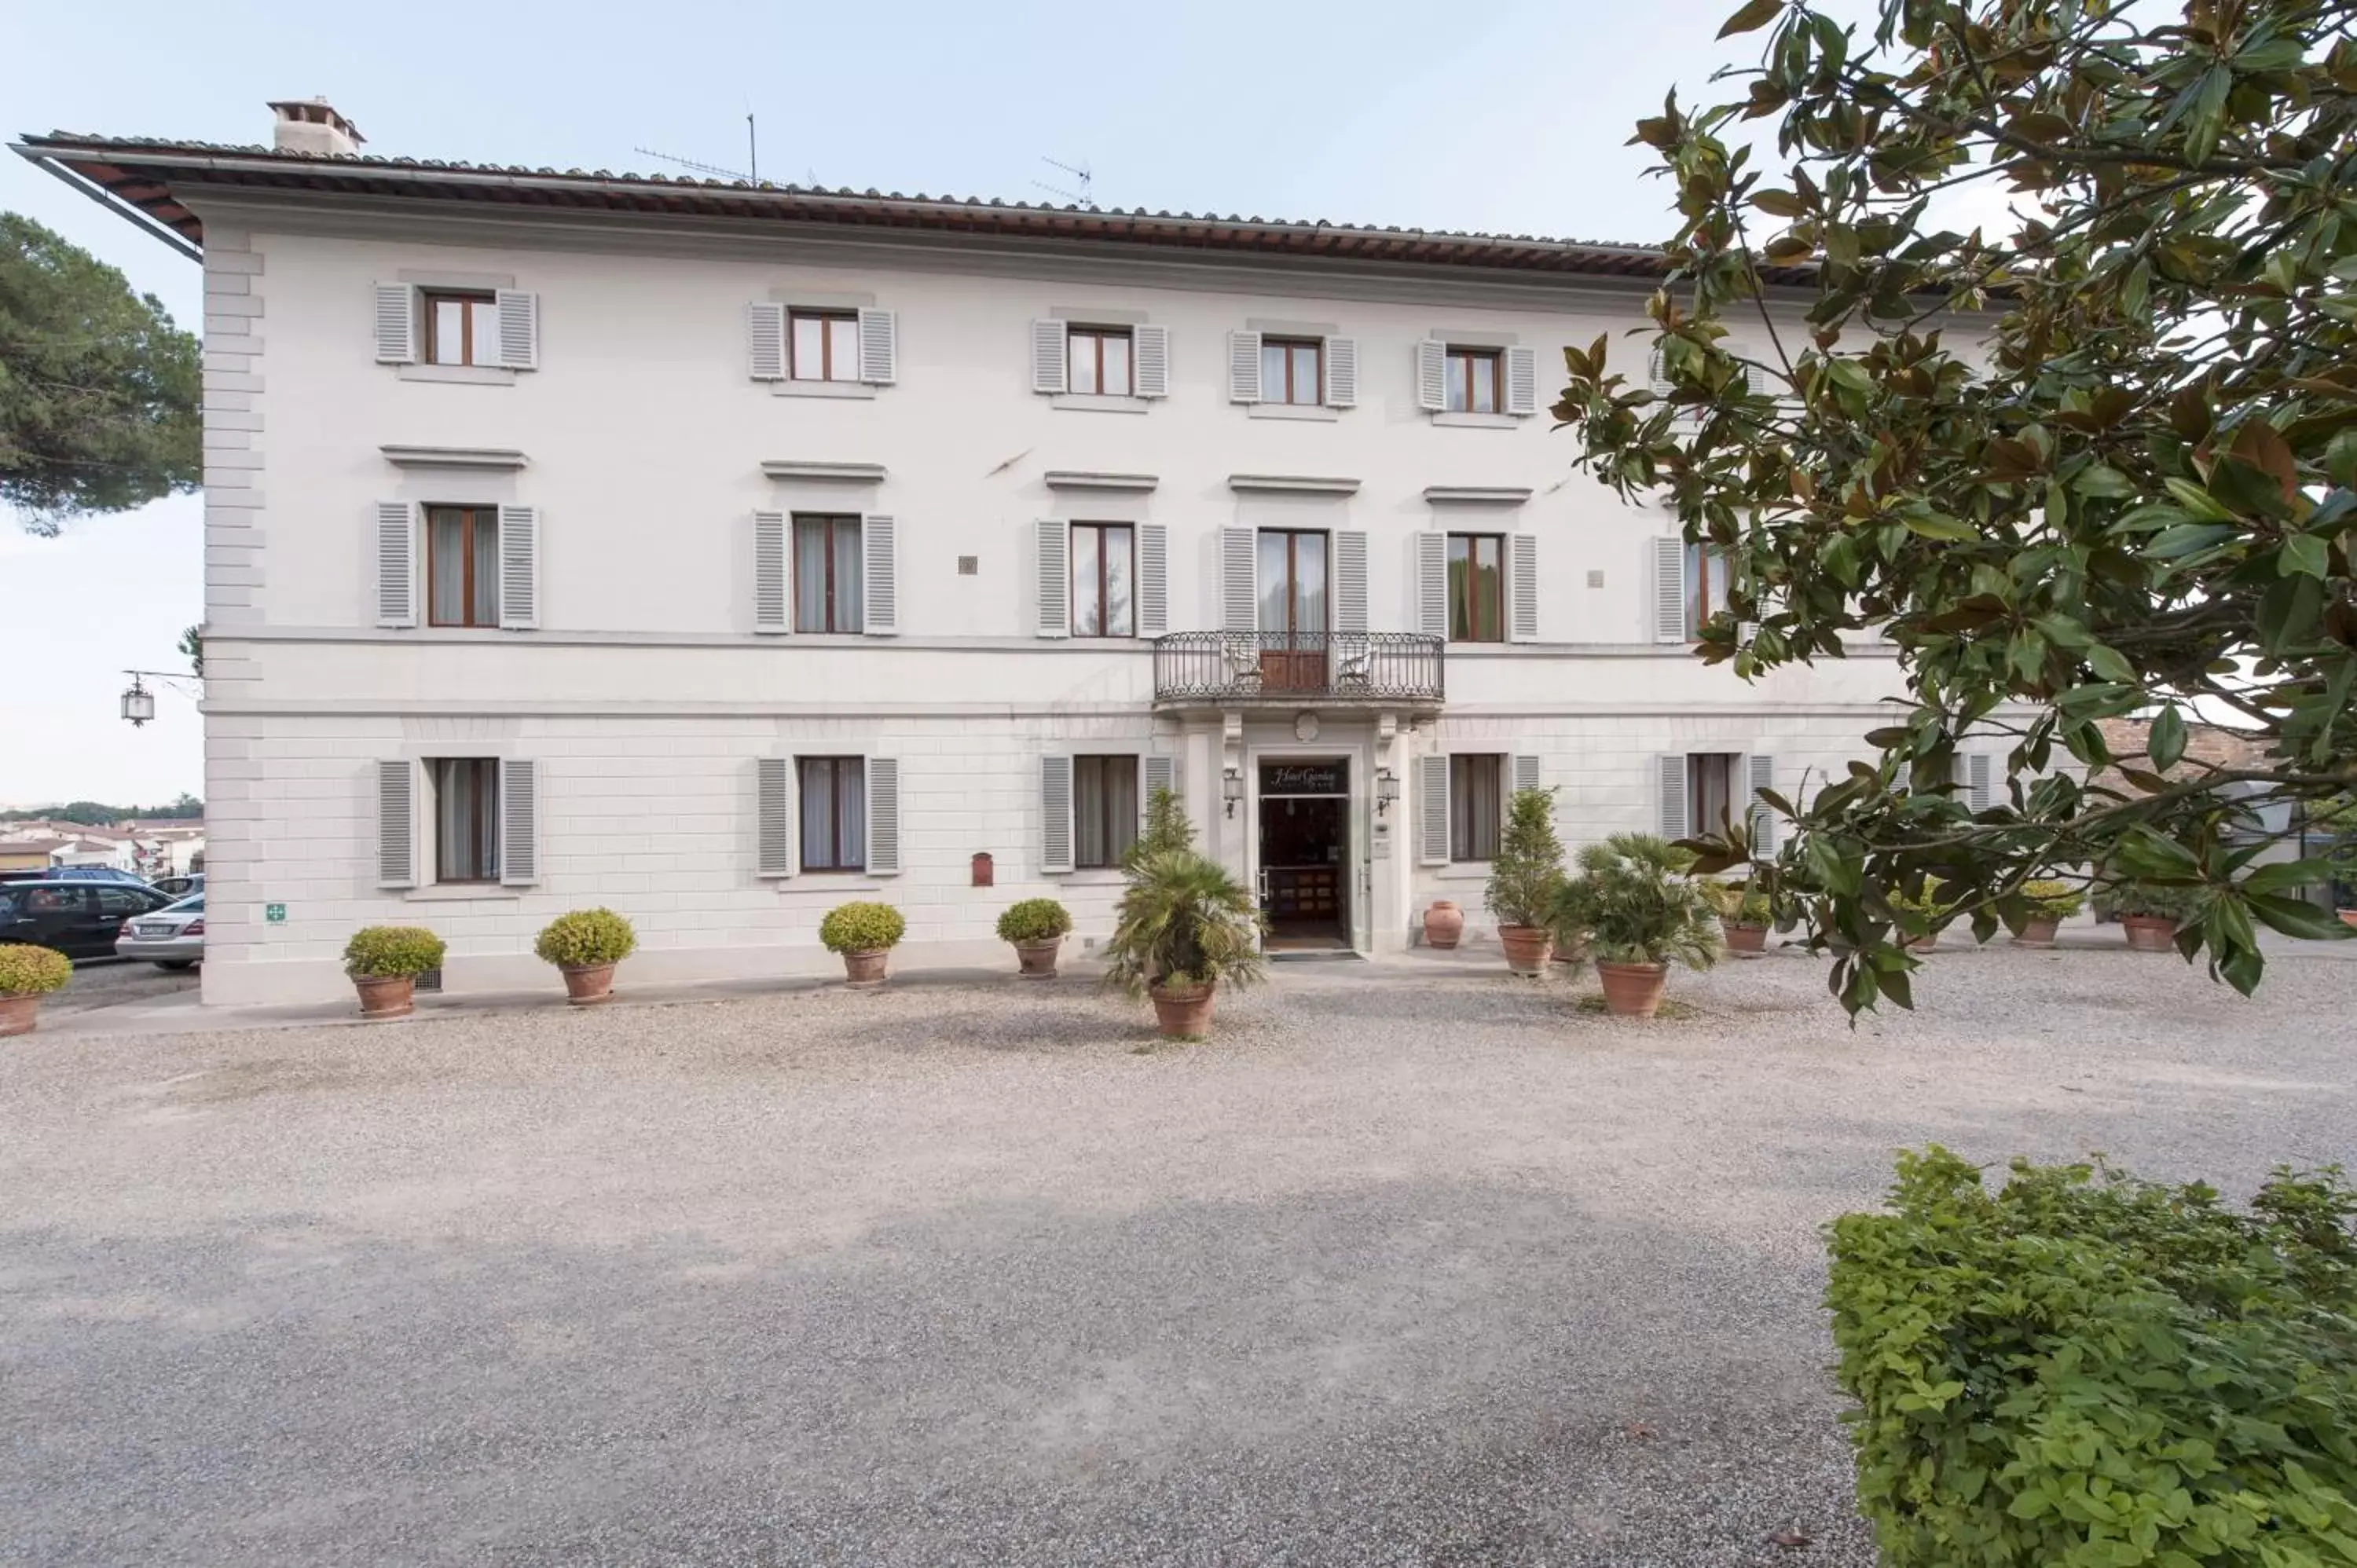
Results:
18 1014
1443 924
2037 934
865 968
2149 933
1573 952
1037 961
586 984
1182 1012
1526 947
2347 917
1924 944
386 996
1750 942
1633 989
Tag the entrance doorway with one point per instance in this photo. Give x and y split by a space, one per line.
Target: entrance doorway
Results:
1304 839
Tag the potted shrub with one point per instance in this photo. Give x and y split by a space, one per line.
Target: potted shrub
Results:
2051 902
1924 901
1524 879
1036 928
864 934
1184 926
27 973
1744 912
2149 913
585 945
1643 914
384 962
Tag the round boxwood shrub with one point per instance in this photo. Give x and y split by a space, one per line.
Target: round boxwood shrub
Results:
585 939
387 953
29 970
860 927
1034 920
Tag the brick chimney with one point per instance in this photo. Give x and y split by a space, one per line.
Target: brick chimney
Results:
311 127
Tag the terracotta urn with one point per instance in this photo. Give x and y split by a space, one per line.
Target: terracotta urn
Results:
865 968
1633 989
2149 933
1744 941
1443 924
2347 917
386 996
1526 947
1182 1012
1037 961
1923 944
2037 934
18 1014
586 984
1574 951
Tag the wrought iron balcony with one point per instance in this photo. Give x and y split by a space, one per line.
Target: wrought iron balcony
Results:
1221 669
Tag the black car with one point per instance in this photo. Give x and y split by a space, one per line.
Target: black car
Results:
77 917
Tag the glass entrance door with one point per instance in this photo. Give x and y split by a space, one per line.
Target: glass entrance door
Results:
1292 610
1305 871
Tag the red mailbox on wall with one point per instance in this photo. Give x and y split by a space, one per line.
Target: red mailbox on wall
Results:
985 873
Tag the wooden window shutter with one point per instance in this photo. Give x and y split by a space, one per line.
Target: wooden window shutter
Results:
1524 772
1523 589
396 563
879 347
1341 373
1670 795
884 816
1980 792
1432 584
1153 579
396 324
1156 774
1521 381
1050 367
1759 773
1432 375
396 823
765 326
1151 361
518 822
518 567
1244 366
518 315
1239 579
880 539
1669 590
1432 809
1055 578
774 839
1350 581
773 598
1055 813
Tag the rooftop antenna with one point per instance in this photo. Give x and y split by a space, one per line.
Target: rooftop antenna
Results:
752 148
1080 177
691 163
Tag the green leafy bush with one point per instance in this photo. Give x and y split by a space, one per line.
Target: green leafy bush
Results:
1034 920
1183 921
2160 900
1633 895
2049 900
2075 1373
382 952
29 970
1528 870
587 936
1738 903
861 927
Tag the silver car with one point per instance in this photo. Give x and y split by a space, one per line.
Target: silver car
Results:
171 938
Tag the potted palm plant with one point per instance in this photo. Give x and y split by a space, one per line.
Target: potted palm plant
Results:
1183 928
1643 913
27 973
585 945
2149 912
2050 901
1524 878
1745 913
1036 929
384 962
864 933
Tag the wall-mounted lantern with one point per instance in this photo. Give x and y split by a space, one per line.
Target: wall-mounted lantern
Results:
1386 789
138 703
1232 787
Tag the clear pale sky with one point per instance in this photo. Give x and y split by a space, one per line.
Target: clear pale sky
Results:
1505 117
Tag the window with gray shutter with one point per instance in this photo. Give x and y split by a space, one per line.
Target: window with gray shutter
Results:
1522 588
1432 375
1341 373
880 540
1670 796
1979 778
1244 366
518 567
1432 809
1350 580
1432 584
884 816
879 347
1055 813
1521 381
774 816
1049 369
1760 770
1239 579
772 574
518 822
1055 537
519 330
1151 361
1153 579
1160 773
396 324
396 823
396 563
1669 590
765 327
1525 772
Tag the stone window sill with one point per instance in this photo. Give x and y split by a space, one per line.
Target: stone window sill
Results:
822 389
460 375
1091 402
1463 871
1094 876
463 893
1477 421
1312 413
829 882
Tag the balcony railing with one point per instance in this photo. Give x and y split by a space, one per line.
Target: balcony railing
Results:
1218 667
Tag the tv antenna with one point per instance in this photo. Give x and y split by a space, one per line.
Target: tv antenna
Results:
699 167
1080 176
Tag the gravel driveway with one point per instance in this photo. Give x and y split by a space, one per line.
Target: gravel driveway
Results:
1414 1264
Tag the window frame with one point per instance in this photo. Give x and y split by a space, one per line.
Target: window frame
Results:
832 521
1096 337
440 772
1699 765
1103 583
1284 396
471 516
1116 830
429 298
1702 563
826 316
1292 537
1453 383
836 864
1469 604
1465 790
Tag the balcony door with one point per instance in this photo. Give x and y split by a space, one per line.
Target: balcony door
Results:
1293 610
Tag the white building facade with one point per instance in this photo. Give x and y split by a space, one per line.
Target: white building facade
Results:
719 555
